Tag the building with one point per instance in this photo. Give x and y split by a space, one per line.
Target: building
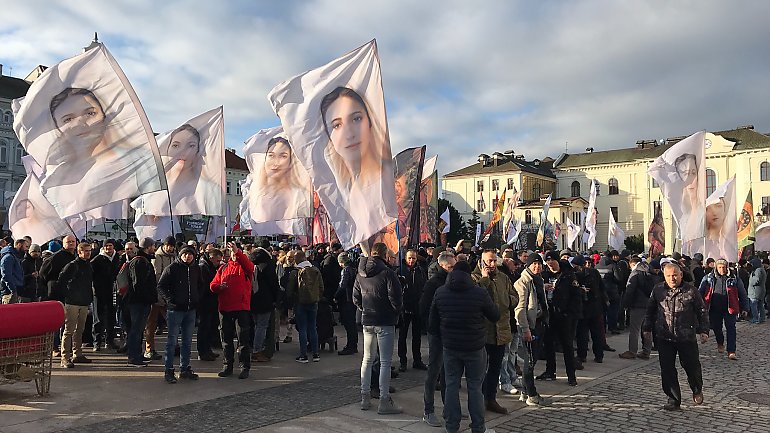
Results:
235 171
12 172
623 185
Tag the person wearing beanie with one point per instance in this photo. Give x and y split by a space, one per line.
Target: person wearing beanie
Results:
725 298
264 295
592 321
344 298
142 294
34 286
163 259
106 265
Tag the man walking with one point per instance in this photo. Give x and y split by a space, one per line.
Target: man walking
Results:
105 266
76 280
677 312
414 275
142 293
725 298
635 299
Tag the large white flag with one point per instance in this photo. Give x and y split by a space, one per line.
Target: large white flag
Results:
573 230
616 237
428 167
514 229
243 206
30 214
721 240
83 124
194 162
589 233
762 242
681 173
510 206
153 226
335 120
445 217
280 187
542 229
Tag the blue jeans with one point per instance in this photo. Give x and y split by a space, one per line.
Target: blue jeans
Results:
715 319
757 310
474 364
305 315
261 322
137 315
508 370
176 320
382 338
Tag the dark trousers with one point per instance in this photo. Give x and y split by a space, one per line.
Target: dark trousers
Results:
716 317
562 329
269 343
688 358
613 310
592 325
414 320
494 363
207 319
104 329
348 320
435 373
241 319
135 322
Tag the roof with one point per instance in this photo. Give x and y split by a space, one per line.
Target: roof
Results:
12 87
744 138
514 165
232 160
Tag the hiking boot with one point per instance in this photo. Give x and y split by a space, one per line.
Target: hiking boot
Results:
546 376
494 406
627 355
347 351
536 400
431 419
81 360
366 401
188 374
388 407
226 371
170 377
244 374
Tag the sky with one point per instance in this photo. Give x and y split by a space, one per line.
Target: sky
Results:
461 77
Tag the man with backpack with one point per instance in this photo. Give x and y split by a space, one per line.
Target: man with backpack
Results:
304 288
138 285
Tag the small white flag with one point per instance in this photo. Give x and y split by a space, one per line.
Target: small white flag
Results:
615 235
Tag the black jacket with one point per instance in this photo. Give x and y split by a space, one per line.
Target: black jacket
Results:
105 272
264 300
639 287
144 286
459 313
50 271
414 284
677 315
611 277
179 285
330 273
34 288
344 294
429 291
377 293
567 296
207 300
594 300
76 281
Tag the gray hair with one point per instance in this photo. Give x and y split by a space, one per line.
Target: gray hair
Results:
672 265
444 258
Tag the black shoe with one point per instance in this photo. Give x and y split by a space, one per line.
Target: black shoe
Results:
153 355
170 378
244 374
122 349
207 357
671 405
572 382
546 376
598 360
607 348
402 367
419 366
347 351
301 359
137 364
188 374
578 365
615 332
316 357
81 360
226 371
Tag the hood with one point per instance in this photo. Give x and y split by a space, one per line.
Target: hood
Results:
756 263
371 266
160 252
459 281
606 261
642 267
304 264
6 249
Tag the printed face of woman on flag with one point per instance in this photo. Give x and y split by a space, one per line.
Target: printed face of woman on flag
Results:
349 127
687 169
715 216
184 144
80 119
24 210
278 160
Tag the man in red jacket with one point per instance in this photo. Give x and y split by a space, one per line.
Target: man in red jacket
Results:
232 283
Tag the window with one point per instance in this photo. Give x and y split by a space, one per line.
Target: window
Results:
528 217
479 186
479 205
575 189
614 210
654 183
18 154
711 181
764 171
238 188
510 183
494 204
613 186
227 187
536 190
3 151
765 206
495 185
8 117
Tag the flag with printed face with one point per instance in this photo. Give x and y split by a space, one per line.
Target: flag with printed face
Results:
152 226
83 124
616 237
334 117
541 231
573 230
30 214
280 187
681 174
429 201
193 157
243 207
746 232
510 206
721 240
589 232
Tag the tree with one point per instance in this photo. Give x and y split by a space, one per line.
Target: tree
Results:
457 227
473 221
635 244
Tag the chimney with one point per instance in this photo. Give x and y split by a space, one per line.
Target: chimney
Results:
1 69
739 127
589 150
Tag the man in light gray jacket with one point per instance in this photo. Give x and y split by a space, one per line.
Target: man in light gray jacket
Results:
757 290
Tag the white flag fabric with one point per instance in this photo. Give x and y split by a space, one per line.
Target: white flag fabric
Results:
573 230
83 124
762 242
215 228
280 187
243 207
721 240
514 229
681 173
334 117
616 237
445 217
193 157
428 167
30 214
546 207
510 206
152 226
478 233
589 233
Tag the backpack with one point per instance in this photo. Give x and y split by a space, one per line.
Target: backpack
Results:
123 280
308 285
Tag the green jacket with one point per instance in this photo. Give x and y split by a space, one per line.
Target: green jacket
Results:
505 297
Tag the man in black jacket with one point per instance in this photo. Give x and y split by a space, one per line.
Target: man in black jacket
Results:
264 294
179 285
565 307
76 280
34 286
344 298
459 315
106 266
208 313
52 267
635 298
594 302
414 276
677 312
331 272
446 262
377 293
142 293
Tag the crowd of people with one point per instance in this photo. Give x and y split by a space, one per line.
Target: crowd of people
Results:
489 315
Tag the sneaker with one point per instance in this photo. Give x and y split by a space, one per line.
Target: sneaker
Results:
643 355
170 377
572 382
627 355
732 356
316 357
523 397
431 419
81 360
67 364
546 376
153 355
227 370
347 351
136 364
509 389
366 401
301 359
536 400
388 407
244 374
188 374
